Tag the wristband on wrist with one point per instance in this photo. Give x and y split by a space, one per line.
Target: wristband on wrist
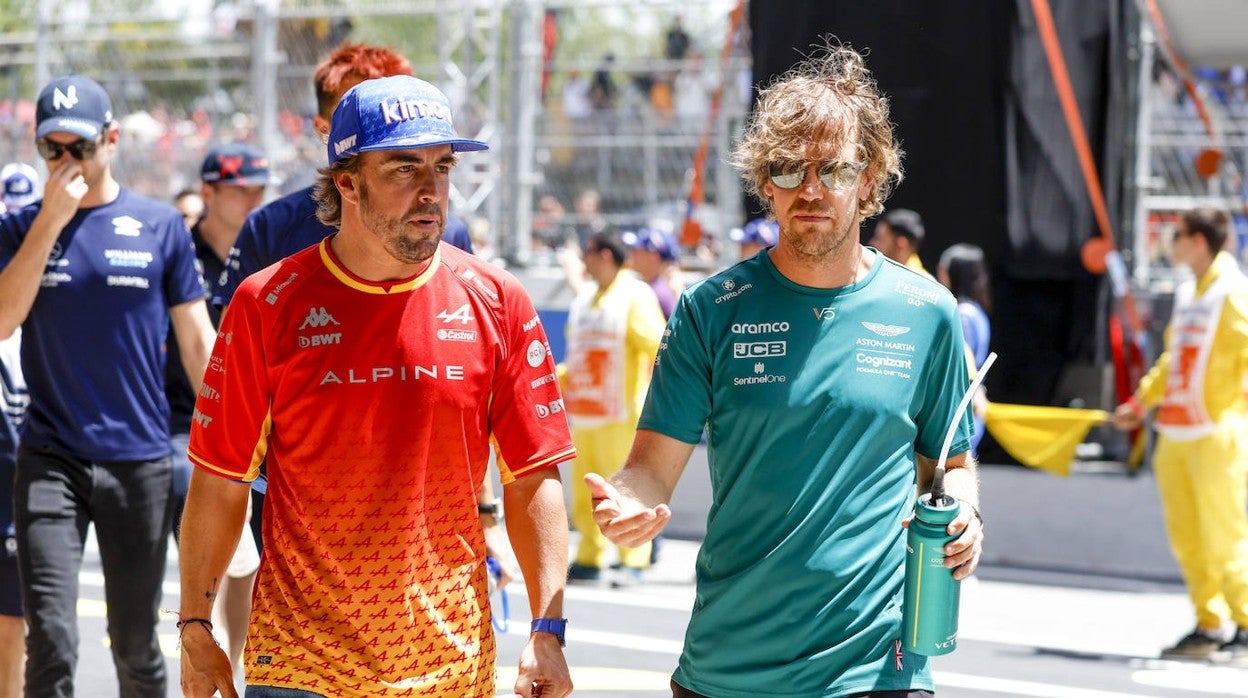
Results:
975 511
555 626
493 508
183 622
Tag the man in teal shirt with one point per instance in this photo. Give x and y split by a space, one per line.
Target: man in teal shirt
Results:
826 377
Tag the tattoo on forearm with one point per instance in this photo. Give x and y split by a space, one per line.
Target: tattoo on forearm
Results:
211 594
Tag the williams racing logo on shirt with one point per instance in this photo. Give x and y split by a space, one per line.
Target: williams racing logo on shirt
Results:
138 259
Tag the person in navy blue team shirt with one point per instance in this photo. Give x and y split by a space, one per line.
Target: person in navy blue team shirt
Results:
94 274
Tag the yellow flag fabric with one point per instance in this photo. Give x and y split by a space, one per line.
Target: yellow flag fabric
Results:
1041 437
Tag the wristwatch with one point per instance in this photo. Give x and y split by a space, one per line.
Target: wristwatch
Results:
554 626
493 508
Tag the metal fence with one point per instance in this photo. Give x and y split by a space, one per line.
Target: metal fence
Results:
182 80
1172 142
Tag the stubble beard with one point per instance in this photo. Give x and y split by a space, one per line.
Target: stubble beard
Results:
393 231
812 245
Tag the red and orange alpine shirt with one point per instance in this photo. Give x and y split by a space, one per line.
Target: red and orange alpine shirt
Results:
374 406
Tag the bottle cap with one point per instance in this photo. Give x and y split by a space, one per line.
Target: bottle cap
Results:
941 512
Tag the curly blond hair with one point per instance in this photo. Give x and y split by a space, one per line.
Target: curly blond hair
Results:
828 98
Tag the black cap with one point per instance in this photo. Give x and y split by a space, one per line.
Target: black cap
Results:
73 104
906 223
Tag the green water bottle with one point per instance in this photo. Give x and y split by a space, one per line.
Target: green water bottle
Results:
930 607
929 611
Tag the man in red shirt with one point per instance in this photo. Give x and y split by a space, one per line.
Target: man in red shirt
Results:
371 371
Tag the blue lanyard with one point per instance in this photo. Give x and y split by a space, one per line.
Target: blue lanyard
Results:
496 575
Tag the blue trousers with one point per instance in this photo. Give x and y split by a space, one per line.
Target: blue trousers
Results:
56 496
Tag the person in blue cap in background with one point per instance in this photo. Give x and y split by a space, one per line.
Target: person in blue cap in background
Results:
755 236
233 180
19 186
653 254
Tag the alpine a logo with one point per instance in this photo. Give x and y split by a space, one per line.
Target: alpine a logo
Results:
318 317
885 330
462 314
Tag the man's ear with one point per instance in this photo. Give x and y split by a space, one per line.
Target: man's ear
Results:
865 189
345 181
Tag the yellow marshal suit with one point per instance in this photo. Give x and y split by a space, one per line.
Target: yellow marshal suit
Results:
613 336
1201 457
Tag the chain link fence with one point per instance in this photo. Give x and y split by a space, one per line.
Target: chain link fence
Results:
525 75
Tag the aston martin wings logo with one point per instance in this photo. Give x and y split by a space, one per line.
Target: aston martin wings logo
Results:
885 330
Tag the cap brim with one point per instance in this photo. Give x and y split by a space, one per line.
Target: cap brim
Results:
253 181
68 124
458 145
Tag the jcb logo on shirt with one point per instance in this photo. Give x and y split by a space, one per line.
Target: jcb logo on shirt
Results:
463 314
752 350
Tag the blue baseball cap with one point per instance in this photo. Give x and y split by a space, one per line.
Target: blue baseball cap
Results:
19 185
236 164
393 113
759 231
73 104
653 239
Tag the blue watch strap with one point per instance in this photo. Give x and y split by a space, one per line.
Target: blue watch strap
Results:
554 626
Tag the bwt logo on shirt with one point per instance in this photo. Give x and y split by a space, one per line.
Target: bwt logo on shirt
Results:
412 109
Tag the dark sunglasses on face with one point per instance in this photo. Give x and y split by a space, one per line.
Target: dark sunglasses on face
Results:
80 149
834 174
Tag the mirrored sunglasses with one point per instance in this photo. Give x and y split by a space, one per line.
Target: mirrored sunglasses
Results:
833 174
